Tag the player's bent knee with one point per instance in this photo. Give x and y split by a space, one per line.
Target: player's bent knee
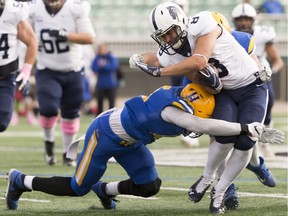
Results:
244 143
147 190
143 190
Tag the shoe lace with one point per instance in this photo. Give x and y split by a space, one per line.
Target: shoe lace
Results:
203 184
217 200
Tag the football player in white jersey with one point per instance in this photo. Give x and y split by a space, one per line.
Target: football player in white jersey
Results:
61 28
243 16
186 48
178 81
14 27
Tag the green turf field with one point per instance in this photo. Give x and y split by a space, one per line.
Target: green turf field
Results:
21 147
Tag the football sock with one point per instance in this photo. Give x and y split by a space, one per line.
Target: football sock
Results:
59 186
112 189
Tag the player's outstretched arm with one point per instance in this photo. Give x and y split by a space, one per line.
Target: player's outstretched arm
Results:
256 131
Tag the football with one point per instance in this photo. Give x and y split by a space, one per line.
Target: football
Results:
208 79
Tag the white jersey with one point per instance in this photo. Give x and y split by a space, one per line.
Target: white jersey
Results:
239 69
263 35
54 54
13 13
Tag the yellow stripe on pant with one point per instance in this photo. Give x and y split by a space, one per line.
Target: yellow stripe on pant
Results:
83 167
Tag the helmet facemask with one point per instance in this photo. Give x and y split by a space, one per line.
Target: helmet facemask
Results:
171 47
244 23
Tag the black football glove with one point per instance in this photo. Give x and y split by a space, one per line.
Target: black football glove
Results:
151 70
61 34
208 77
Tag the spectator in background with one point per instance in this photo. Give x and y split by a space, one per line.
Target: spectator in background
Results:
272 7
105 66
244 16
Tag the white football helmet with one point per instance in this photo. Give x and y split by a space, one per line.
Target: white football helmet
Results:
184 4
243 16
244 10
165 17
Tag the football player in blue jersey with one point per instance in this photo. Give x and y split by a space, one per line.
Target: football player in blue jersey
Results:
124 134
14 28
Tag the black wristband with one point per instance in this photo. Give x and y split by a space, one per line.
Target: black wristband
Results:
244 129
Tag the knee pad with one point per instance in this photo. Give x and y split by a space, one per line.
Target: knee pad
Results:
244 143
143 190
147 190
226 139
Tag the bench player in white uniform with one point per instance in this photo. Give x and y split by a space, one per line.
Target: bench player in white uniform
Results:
243 16
61 27
14 27
187 47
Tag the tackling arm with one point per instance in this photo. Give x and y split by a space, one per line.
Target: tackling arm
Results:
256 131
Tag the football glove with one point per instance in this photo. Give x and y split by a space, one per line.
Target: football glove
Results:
22 79
151 70
209 78
258 132
265 73
61 34
133 61
272 135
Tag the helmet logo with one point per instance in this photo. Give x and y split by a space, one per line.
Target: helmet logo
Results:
192 97
174 11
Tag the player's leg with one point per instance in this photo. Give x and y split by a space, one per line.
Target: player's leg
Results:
49 93
70 110
139 163
7 92
251 108
218 150
265 147
90 168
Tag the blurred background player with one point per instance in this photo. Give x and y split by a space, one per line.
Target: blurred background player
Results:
105 66
61 27
25 105
244 16
14 27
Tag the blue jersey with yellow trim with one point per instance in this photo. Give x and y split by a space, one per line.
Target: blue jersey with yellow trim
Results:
141 116
246 40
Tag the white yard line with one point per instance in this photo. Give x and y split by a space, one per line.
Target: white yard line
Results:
241 194
31 200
